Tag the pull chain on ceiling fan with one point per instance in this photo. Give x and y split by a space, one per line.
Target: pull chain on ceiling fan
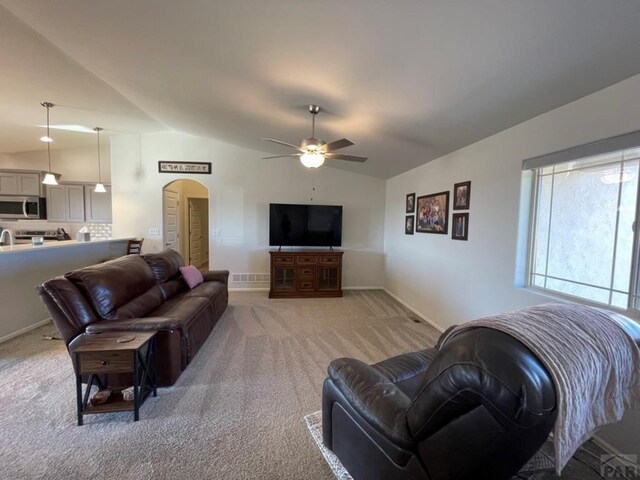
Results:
313 151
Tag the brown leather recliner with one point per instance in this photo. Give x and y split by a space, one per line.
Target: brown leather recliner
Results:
134 293
477 407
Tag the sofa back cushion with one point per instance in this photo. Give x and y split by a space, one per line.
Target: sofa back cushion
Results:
164 265
119 289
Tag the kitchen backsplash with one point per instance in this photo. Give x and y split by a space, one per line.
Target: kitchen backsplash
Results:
98 230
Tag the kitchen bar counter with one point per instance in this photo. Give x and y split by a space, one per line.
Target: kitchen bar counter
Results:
23 266
27 247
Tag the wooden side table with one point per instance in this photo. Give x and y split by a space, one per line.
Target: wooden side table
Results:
102 354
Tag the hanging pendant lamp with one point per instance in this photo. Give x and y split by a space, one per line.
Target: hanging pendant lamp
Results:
99 186
49 178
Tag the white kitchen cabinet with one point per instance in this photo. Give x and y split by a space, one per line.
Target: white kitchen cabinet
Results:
65 203
17 183
97 205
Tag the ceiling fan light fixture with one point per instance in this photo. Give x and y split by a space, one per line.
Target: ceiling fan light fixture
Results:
312 160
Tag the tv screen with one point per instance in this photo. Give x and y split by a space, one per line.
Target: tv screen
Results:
305 225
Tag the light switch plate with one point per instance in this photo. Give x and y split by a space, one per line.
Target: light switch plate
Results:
154 232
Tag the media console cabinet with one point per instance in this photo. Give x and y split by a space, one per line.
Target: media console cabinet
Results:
308 273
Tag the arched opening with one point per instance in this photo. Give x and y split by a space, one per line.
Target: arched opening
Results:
185 220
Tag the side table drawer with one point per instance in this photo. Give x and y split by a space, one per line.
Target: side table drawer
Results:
111 362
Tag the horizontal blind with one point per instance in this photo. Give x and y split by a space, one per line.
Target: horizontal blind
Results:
607 145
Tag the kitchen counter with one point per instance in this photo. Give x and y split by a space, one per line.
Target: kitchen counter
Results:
23 266
24 247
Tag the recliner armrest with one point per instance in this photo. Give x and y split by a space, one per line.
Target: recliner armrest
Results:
374 397
216 275
133 324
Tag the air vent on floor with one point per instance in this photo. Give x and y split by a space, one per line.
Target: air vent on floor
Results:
250 279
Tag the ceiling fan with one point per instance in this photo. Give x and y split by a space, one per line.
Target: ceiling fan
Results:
313 151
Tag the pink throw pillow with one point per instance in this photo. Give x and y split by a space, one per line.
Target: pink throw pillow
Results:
191 275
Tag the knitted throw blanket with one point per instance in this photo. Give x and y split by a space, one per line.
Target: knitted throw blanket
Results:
593 360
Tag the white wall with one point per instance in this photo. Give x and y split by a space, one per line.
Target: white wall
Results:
75 164
452 281
240 190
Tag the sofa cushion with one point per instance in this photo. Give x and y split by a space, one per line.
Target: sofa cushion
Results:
111 285
207 290
173 287
164 265
181 306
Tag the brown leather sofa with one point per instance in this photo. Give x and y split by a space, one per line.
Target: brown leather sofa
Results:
140 292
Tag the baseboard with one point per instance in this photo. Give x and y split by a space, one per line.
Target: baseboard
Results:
265 289
419 314
249 289
25 330
362 288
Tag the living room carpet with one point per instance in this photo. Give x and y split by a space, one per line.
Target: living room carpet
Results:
235 413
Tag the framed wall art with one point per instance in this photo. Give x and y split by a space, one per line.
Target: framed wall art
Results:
410 203
433 213
461 195
409 224
460 226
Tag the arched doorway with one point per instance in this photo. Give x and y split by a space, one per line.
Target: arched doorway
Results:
185 220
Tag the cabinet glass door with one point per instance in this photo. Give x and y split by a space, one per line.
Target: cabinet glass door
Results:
284 278
328 278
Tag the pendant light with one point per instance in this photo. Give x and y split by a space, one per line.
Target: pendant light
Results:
99 186
49 178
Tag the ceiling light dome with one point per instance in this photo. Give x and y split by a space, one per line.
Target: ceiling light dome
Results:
312 160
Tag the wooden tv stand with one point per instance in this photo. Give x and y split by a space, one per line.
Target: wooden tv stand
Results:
306 274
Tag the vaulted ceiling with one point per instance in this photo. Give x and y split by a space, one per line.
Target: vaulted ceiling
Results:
406 81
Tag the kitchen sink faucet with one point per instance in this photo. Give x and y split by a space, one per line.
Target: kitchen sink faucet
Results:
8 232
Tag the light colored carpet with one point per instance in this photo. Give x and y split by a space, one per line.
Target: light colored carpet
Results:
235 413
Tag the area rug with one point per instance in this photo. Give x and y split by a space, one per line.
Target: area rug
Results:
540 462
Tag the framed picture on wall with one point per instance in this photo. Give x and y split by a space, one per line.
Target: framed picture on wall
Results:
461 195
460 227
432 214
410 203
409 224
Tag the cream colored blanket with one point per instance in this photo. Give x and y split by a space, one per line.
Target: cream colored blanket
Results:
592 358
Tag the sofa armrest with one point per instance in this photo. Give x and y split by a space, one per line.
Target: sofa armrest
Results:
216 275
136 324
373 396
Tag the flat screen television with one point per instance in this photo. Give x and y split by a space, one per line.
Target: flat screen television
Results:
305 225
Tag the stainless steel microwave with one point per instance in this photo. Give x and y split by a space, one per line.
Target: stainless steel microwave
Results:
23 207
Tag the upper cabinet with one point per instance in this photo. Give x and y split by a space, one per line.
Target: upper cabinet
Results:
65 203
97 205
78 203
16 183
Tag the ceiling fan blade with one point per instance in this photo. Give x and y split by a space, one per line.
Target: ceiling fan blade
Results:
282 143
349 158
282 156
337 144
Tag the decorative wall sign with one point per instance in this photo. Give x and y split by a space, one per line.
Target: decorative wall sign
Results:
461 195
433 213
410 203
408 224
460 227
184 167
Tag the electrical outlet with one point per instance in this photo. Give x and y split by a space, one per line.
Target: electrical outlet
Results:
215 232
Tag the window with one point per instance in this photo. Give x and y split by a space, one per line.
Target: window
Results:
582 237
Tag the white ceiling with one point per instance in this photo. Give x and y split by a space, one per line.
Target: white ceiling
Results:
406 81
